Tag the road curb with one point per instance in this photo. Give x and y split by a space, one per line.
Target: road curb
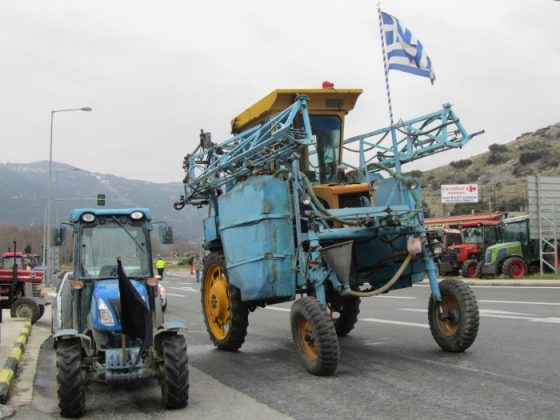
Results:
10 366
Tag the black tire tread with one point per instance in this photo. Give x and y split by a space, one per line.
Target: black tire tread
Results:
469 317
175 381
348 315
35 311
508 262
465 269
239 310
71 384
325 334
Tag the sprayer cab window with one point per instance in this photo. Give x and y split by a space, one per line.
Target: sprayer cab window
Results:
323 156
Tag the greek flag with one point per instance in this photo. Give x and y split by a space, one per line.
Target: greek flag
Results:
404 51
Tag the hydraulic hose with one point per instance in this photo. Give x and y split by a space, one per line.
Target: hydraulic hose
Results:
322 209
387 285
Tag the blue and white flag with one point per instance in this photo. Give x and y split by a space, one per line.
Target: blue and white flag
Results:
404 51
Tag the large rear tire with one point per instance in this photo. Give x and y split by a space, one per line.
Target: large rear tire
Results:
225 315
314 336
70 378
175 372
25 308
455 329
344 311
515 268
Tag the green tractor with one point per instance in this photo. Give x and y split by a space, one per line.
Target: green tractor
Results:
517 255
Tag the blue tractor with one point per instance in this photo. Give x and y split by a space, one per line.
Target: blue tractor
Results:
111 319
290 220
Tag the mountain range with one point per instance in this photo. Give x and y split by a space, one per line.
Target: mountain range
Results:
24 192
500 173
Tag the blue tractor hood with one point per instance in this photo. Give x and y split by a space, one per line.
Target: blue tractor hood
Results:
108 292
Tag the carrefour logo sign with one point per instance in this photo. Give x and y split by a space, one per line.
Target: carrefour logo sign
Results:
459 193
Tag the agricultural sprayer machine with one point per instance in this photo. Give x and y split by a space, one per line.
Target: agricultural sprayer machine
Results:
288 218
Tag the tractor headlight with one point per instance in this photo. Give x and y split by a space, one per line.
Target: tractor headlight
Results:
437 250
105 315
136 215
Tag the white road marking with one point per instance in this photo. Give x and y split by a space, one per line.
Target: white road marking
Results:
173 294
518 302
550 320
274 308
396 297
501 287
388 321
490 313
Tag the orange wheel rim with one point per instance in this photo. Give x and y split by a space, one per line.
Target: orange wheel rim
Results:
307 338
217 305
447 327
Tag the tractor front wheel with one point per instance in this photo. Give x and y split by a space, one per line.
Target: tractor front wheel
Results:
454 320
314 336
344 312
175 372
25 308
225 315
70 378
471 269
515 268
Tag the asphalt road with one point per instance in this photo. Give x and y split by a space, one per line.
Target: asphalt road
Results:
390 367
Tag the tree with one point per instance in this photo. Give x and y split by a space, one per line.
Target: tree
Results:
461 164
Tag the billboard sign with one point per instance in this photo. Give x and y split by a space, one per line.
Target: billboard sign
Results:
459 193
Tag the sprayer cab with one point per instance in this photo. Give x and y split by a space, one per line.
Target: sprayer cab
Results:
321 161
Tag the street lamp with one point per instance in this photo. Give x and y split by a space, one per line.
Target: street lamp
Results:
48 252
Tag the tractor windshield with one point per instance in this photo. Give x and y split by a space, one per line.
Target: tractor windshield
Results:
517 232
101 244
8 262
483 235
472 235
324 154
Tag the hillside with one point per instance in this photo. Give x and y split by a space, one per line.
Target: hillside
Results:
24 192
501 173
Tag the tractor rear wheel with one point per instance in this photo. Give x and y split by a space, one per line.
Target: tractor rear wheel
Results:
471 269
175 372
343 312
454 320
515 268
25 308
225 315
70 378
314 336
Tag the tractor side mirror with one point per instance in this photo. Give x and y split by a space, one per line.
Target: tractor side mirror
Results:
165 234
58 236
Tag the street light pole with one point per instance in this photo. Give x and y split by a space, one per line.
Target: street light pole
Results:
47 253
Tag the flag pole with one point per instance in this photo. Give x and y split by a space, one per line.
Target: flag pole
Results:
382 37
393 132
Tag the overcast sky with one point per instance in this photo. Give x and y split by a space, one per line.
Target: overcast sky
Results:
156 72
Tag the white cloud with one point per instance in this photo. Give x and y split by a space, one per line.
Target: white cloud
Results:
157 72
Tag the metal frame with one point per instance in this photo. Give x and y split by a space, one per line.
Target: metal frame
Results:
544 205
215 168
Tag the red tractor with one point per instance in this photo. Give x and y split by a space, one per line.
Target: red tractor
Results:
20 287
466 258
